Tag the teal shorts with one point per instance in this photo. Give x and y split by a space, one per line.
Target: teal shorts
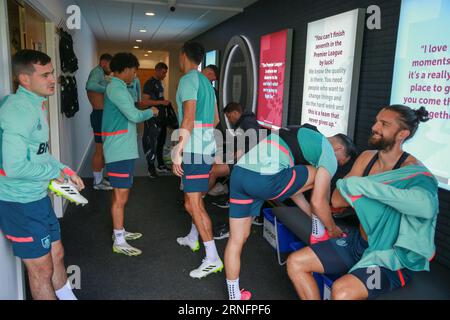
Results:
31 227
196 168
249 189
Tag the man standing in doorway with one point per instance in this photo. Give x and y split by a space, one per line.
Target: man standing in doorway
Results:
155 130
95 87
193 156
26 169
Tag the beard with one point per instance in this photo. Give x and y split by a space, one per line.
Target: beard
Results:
381 143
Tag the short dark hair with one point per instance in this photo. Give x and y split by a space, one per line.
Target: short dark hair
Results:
106 56
409 118
214 69
233 106
22 62
161 66
194 51
123 60
350 148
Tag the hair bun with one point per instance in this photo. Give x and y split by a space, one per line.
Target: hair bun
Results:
422 114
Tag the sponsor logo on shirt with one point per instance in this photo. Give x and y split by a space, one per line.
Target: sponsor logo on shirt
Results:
43 148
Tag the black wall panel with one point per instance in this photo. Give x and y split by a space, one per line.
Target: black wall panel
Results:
266 16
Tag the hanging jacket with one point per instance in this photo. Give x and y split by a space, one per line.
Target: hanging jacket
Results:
398 210
69 61
69 96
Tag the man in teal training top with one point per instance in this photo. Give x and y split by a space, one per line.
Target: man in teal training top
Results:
27 218
391 193
119 132
283 165
95 89
193 156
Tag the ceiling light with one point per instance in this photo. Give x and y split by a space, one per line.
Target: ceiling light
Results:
136 47
149 13
142 30
138 40
146 55
149 51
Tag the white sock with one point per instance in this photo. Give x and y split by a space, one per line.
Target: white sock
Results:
119 236
318 229
211 251
65 293
98 177
193 234
233 289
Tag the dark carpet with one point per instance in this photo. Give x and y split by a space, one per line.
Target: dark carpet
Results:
162 271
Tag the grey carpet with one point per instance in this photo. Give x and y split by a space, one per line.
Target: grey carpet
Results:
162 271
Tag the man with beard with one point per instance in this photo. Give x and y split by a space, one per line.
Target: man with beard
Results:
394 125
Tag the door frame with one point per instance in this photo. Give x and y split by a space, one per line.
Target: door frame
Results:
13 265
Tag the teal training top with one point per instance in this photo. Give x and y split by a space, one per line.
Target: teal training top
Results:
120 117
26 166
96 81
135 89
273 154
195 86
398 210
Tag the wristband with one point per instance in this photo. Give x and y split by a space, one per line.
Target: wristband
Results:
68 171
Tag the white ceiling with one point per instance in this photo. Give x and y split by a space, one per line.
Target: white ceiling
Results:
116 23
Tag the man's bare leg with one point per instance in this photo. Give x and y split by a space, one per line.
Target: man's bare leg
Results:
59 278
195 206
300 266
217 171
349 287
40 272
98 160
239 233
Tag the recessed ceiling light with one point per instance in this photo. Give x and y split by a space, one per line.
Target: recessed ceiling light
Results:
138 40
149 51
149 13
145 55
136 47
142 30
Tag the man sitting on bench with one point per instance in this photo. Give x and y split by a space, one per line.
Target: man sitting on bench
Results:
283 165
387 203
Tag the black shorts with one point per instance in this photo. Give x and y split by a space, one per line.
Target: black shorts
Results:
96 124
338 256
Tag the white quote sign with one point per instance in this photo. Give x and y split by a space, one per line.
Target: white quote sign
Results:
333 57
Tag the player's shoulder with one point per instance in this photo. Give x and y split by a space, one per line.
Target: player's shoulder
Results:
411 160
363 160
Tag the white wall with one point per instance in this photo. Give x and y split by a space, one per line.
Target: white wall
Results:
75 132
11 274
174 75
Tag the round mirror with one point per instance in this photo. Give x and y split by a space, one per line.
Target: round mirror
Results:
238 75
